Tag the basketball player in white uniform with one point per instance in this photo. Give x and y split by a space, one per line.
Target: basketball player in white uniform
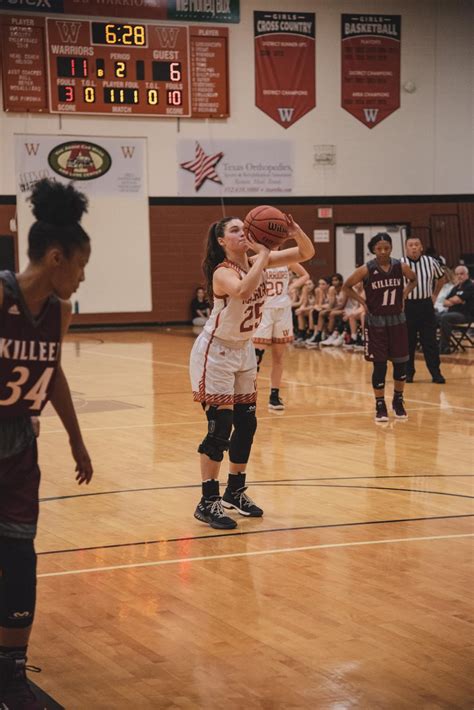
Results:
223 366
276 327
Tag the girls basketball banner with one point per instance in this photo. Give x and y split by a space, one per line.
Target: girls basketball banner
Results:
370 66
285 64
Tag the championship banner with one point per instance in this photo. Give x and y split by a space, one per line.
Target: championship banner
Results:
232 168
112 172
186 10
285 64
370 66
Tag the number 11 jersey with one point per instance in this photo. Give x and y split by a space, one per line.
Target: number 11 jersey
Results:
384 289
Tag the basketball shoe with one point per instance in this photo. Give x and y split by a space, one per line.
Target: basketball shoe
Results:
211 511
240 501
381 414
399 407
275 401
15 691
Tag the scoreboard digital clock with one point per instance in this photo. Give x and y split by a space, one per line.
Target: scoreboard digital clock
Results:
118 67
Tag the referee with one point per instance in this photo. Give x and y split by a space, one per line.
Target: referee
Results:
419 308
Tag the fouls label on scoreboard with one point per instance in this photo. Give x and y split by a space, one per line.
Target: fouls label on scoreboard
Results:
118 68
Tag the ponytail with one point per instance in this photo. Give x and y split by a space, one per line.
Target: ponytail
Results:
214 252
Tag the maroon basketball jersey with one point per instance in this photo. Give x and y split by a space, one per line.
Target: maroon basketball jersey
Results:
30 351
384 289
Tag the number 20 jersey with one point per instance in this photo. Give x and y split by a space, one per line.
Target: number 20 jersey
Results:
29 351
235 319
384 289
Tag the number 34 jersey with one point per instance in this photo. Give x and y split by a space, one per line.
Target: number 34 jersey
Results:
30 351
236 319
384 289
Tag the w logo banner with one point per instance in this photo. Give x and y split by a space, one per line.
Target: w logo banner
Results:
285 75
370 66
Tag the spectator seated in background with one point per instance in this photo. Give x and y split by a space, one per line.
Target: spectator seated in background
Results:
353 317
460 305
337 303
321 303
200 307
445 290
302 309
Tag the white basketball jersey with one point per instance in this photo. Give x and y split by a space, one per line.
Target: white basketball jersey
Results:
278 281
234 319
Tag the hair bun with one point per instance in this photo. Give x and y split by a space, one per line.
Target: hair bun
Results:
56 203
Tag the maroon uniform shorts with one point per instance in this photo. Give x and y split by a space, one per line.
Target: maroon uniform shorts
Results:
386 342
19 487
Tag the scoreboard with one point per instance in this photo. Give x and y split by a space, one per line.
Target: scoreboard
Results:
115 67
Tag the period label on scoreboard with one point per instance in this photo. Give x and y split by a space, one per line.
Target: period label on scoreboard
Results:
23 51
114 67
209 81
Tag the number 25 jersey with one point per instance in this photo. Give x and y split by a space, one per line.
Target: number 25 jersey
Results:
236 319
30 351
384 289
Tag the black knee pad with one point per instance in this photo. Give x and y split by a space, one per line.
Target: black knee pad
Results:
399 371
218 433
245 426
378 375
17 583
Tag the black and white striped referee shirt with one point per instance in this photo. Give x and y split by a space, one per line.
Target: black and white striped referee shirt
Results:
427 270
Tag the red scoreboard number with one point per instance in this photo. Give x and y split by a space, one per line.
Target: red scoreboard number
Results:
118 67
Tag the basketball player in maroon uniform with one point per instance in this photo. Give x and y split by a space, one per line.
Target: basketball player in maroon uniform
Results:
386 336
34 317
223 365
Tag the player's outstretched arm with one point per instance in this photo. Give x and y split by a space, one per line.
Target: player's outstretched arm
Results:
226 282
302 252
62 402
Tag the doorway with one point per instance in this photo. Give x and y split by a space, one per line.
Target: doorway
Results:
352 244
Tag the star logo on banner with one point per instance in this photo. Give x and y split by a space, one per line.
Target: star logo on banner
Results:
203 167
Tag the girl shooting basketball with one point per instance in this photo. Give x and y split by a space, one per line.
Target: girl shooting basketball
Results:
223 365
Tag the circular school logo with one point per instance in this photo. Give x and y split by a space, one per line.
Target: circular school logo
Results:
79 160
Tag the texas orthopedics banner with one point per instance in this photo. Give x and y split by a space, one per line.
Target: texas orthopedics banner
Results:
285 64
112 172
370 66
234 167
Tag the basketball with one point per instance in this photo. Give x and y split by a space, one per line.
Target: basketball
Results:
267 226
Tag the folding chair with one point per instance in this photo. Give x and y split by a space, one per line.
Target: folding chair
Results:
461 338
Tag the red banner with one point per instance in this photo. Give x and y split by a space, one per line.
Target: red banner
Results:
370 66
285 66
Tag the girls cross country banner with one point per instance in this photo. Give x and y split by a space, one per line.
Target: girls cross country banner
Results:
285 64
112 173
370 66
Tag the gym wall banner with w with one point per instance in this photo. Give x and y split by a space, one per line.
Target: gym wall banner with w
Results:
370 66
285 64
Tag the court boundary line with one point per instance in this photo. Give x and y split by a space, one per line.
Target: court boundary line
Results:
291 382
241 533
254 553
281 481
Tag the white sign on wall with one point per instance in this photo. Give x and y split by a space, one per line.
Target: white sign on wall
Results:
234 167
112 173
321 235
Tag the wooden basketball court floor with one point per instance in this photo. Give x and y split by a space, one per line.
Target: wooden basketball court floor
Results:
353 591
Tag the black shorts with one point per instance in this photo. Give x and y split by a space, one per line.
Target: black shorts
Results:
386 342
19 490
